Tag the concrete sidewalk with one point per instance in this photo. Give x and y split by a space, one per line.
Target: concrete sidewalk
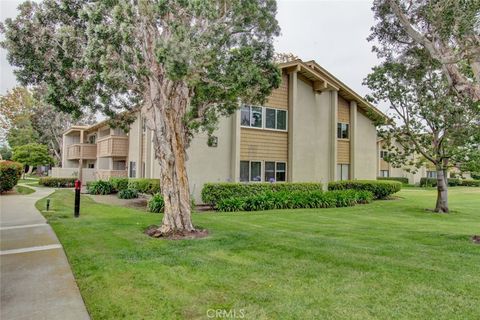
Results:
35 278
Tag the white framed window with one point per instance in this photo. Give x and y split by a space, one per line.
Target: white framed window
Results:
275 119
250 171
132 169
343 171
384 173
275 171
432 174
383 154
343 130
263 118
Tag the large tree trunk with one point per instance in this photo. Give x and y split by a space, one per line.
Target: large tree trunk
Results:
442 191
165 115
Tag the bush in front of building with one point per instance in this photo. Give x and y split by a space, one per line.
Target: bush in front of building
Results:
119 184
295 200
149 186
100 187
156 203
127 194
57 182
399 179
471 183
452 182
10 173
212 193
379 189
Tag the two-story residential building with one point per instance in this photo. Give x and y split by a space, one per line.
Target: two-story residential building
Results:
312 128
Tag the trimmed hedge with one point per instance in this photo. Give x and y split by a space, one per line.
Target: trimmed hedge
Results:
399 179
452 182
100 187
119 184
10 173
471 183
150 186
57 182
212 193
156 203
295 200
379 189
127 194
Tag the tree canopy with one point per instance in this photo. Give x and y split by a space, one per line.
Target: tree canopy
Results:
32 154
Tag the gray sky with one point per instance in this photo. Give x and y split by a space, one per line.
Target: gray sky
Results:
333 33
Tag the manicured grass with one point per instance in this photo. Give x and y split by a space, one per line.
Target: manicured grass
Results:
24 190
30 182
386 260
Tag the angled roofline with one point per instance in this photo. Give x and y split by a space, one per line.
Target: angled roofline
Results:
324 80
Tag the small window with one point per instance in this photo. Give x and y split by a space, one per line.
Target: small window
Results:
270 118
144 125
432 174
255 171
91 166
342 130
383 154
343 171
143 169
245 116
281 120
384 173
269 171
281 171
250 171
132 170
256 117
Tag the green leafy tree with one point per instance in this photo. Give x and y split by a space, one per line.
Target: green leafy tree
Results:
5 152
446 30
32 155
427 120
183 64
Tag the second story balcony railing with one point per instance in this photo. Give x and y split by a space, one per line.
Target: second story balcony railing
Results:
112 146
81 151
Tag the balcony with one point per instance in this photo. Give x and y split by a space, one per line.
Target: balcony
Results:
79 151
112 146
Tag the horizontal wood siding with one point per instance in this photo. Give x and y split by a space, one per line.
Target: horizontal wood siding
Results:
263 145
343 110
279 97
343 151
384 165
112 146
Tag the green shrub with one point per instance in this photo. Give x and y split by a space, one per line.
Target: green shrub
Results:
432 182
379 189
57 182
100 187
127 194
119 184
295 200
471 183
149 186
399 179
156 203
10 173
212 193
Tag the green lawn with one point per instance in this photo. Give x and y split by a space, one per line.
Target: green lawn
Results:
24 190
386 260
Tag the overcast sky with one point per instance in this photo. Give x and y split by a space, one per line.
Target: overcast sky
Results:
333 33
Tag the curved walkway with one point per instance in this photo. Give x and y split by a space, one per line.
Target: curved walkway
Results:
36 279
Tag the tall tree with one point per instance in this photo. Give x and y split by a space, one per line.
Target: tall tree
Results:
183 63
448 30
427 120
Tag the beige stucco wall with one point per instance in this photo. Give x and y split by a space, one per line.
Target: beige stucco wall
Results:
366 147
310 135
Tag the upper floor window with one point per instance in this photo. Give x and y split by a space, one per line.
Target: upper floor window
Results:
342 130
275 119
251 116
383 154
262 117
